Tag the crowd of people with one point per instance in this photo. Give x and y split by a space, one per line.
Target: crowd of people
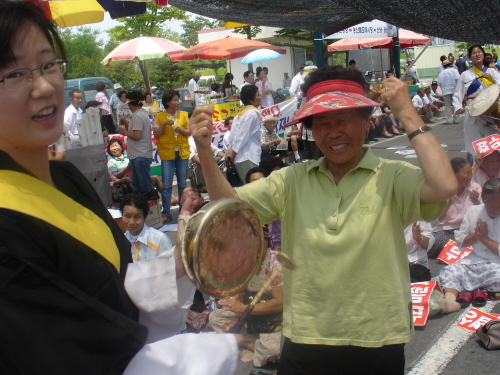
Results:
116 301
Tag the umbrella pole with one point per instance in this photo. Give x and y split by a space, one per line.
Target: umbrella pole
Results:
145 75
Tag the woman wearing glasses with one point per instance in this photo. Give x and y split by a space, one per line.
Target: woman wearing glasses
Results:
63 260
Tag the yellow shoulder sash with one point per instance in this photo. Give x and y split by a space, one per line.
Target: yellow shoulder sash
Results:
31 196
244 109
479 73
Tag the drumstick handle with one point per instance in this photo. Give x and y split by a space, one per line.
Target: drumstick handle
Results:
243 317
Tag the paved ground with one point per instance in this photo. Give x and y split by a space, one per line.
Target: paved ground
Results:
439 347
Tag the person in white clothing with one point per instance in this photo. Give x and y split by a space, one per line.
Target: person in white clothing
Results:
469 85
244 141
447 80
228 123
297 81
146 242
480 229
421 104
419 238
193 83
73 113
265 87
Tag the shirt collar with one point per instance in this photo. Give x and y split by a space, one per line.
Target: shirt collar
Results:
369 161
143 238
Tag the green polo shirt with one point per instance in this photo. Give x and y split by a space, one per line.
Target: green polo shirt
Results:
351 285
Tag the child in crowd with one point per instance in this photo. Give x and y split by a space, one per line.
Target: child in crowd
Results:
146 242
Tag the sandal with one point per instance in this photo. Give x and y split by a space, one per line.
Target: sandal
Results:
464 299
479 298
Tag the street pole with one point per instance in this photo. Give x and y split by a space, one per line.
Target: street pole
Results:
396 51
318 47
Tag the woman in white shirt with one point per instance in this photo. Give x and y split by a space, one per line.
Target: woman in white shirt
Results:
480 230
265 88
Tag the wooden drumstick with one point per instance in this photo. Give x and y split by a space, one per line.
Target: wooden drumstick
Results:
285 261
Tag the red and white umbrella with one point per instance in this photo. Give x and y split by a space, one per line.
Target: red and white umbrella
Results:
143 48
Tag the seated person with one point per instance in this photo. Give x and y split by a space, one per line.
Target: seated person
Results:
119 169
293 136
480 229
268 138
146 242
266 346
118 163
194 166
418 239
434 102
379 119
254 174
486 167
421 104
450 220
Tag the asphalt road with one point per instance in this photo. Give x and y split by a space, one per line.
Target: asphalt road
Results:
439 347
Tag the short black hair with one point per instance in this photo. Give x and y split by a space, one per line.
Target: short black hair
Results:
100 86
247 73
258 70
457 164
136 200
487 61
442 58
121 93
74 91
135 97
228 76
268 163
327 73
15 16
248 93
227 119
252 171
215 87
115 140
352 62
469 50
168 95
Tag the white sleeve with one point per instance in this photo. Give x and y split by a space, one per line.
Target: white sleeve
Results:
245 129
68 121
192 148
465 228
188 354
460 90
416 102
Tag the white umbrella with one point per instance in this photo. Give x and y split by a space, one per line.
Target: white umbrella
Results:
259 55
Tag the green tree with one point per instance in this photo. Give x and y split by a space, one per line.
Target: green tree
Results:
84 52
295 35
151 23
191 27
249 31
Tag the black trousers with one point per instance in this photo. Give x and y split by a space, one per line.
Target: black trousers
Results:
306 359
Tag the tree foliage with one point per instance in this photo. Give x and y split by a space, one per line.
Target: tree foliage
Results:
191 27
84 52
151 23
249 31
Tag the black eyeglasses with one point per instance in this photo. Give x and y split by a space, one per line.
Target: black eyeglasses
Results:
20 78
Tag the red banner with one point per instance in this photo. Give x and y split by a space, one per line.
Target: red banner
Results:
474 319
451 253
487 145
420 294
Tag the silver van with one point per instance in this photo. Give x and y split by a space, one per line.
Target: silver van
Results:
87 87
